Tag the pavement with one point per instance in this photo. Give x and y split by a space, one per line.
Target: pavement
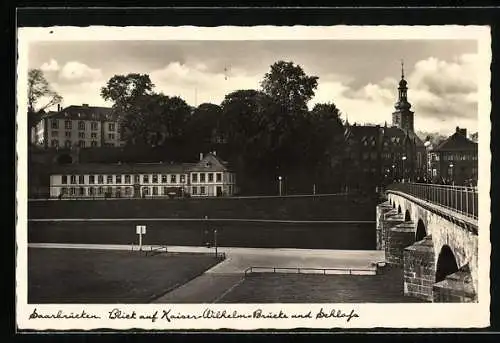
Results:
220 279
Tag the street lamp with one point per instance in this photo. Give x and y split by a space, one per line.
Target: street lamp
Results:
451 169
404 171
279 184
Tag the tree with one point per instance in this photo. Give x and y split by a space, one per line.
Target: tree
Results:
39 90
288 85
204 123
123 89
154 118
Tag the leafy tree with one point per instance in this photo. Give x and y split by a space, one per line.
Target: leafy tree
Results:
204 123
288 85
151 119
38 91
123 89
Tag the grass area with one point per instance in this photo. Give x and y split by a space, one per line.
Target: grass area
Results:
236 234
313 288
103 276
334 207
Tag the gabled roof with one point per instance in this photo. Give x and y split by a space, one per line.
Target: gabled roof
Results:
119 168
456 142
84 112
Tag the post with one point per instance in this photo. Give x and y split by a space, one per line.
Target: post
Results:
279 185
140 241
215 242
314 189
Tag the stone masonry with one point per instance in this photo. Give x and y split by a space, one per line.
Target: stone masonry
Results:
400 236
419 269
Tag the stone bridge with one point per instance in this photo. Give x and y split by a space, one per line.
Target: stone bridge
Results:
431 231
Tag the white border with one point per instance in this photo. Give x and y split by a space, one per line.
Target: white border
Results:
370 315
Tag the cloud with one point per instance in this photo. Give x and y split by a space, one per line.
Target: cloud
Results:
442 93
197 83
51 66
76 72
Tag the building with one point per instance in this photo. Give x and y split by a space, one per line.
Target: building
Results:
380 154
208 177
455 159
78 126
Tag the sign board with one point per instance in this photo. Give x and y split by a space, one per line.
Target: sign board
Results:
140 229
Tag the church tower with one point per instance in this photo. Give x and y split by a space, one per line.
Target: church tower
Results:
403 117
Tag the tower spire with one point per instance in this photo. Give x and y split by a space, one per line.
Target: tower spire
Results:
402 69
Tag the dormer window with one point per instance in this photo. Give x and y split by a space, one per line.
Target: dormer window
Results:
208 164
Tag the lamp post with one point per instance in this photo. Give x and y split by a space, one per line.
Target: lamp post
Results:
404 170
451 172
279 184
393 173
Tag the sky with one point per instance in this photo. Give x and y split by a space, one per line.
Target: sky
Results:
360 77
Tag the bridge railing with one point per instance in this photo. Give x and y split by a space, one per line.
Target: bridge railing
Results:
461 199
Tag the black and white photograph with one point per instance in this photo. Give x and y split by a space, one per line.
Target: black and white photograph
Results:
253 177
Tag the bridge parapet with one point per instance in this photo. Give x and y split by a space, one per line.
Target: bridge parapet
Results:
460 199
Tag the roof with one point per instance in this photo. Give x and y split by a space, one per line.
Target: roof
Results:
84 112
456 142
392 135
141 168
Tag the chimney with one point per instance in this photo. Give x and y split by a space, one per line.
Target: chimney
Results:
59 108
85 105
462 132
201 156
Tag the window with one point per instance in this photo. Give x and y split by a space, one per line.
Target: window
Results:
145 178
195 190
82 191
93 126
118 179
109 179
109 190
91 179
183 178
155 178
127 178
81 134
194 177
54 143
202 190
67 134
164 179
54 123
173 178
73 179
81 179
67 124
137 178
111 127
219 177
93 135
91 191
81 144
72 191
64 179
145 190
202 177
165 190
93 143
128 190
64 191
100 179
210 177
55 133
100 190
155 190
118 191
111 135
81 125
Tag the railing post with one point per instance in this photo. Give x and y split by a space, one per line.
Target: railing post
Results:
467 200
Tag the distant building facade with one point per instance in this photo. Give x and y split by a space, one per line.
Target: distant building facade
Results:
209 177
455 160
78 126
380 154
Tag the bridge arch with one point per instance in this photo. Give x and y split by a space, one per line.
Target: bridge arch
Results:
399 209
421 231
446 263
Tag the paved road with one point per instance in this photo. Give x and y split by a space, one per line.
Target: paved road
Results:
217 281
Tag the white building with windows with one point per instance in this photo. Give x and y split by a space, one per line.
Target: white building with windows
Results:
78 126
209 177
